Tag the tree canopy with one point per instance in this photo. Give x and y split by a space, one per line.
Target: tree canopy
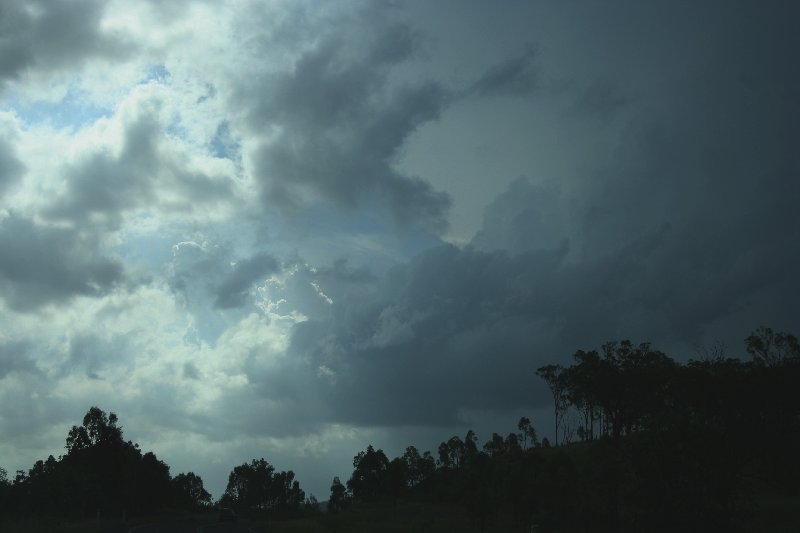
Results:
256 486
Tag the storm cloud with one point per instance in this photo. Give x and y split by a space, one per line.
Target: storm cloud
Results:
290 229
669 244
341 121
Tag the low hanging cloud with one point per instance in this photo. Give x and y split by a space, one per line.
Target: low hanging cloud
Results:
445 332
459 329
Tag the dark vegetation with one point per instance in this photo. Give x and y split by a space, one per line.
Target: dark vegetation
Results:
100 474
641 443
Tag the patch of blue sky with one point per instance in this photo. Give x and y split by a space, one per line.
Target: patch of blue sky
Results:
176 128
74 111
158 74
223 145
192 337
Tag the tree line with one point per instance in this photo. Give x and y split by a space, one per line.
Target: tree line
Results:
641 442
103 475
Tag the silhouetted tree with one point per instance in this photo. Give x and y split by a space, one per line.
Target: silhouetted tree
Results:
479 495
551 374
338 498
470 446
445 461
369 479
285 494
496 446
452 452
249 485
189 492
511 444
311 504
396 480
152 481
583 387
5 492
527 433
98 429
418 467
100 473
772 348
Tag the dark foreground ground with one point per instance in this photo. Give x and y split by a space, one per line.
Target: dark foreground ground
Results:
191 526
772 515
170 523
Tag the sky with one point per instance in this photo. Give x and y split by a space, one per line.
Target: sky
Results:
290 229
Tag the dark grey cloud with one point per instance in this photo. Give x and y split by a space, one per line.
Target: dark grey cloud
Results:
600 99
685 239
715 153
11 168
343 113
92 355
526 216
462 329
233 290
451 330
15 358
517 75
48 35
341 271
190 371
40 265
101 188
